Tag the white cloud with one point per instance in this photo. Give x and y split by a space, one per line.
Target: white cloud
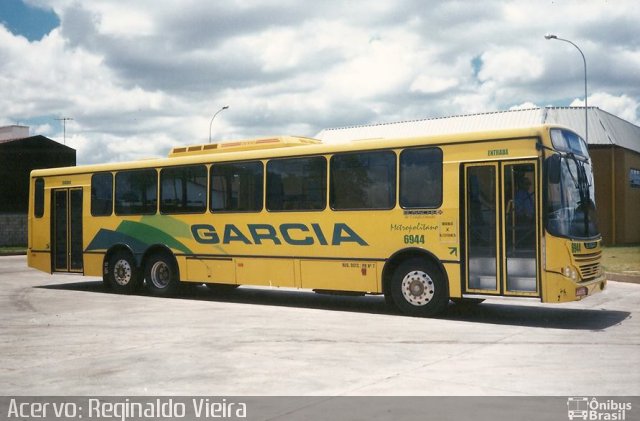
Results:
524 106
141 77
378 65
621 106
432 84
510 65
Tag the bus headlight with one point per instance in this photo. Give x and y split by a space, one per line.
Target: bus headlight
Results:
569 272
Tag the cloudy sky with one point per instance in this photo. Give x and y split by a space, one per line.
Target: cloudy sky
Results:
141 76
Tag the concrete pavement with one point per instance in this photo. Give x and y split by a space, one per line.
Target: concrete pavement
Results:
66 335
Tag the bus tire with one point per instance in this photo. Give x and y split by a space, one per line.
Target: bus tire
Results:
390 302
122 274
106 281
418 288
161 275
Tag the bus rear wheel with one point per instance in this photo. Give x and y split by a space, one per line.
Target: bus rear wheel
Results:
161 275
418 288
122 274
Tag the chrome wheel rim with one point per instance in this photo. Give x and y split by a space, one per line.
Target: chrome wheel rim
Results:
122 272
160 275
418 288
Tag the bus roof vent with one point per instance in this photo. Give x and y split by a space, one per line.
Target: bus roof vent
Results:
243 145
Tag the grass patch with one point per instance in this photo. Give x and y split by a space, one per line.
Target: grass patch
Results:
621 259
12 249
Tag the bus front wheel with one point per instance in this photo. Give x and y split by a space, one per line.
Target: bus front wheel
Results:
161 275
122 273
419 289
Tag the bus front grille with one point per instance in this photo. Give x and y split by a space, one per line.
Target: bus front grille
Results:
588 265
589 272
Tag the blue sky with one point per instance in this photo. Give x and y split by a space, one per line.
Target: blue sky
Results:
31 22
142 76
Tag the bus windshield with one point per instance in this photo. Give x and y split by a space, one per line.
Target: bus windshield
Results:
571 209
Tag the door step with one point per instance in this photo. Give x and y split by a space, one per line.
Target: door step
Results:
521 283
483 282
514 283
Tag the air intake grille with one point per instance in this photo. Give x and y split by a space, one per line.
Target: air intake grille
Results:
588 265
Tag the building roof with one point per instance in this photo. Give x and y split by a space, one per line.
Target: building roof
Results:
13 132
604 128
36 138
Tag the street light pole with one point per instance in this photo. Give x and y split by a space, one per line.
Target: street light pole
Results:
214 116
584 60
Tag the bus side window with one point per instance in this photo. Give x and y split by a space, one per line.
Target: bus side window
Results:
297 184
183 189
101 194
363 180
38 205
136 192
421 178
237 187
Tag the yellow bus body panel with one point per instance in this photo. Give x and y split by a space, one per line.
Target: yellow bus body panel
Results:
563 253
209 270
327 250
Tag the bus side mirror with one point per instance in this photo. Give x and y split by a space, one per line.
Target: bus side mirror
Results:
553 169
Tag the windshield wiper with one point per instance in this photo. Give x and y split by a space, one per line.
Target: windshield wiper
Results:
585 195
582 184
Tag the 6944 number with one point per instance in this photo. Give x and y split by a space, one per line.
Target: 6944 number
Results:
414 239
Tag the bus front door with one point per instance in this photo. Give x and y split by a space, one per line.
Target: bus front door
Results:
501 229
66 230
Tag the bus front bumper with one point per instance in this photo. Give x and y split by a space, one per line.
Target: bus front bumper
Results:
562 289
585 289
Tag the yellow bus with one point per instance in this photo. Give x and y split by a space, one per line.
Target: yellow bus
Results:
421 220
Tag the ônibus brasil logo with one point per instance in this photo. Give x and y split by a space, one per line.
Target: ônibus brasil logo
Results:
584 408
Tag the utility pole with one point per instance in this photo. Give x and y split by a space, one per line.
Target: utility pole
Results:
64 127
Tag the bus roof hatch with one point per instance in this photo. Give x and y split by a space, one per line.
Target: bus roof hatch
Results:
243 145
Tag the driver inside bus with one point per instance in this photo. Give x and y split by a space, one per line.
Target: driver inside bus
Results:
524 201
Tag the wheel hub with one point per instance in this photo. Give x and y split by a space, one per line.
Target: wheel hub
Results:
418 288
160 275
122 272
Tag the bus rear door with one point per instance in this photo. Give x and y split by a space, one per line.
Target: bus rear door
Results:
66 230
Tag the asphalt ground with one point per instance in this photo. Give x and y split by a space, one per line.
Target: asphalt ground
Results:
67 335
